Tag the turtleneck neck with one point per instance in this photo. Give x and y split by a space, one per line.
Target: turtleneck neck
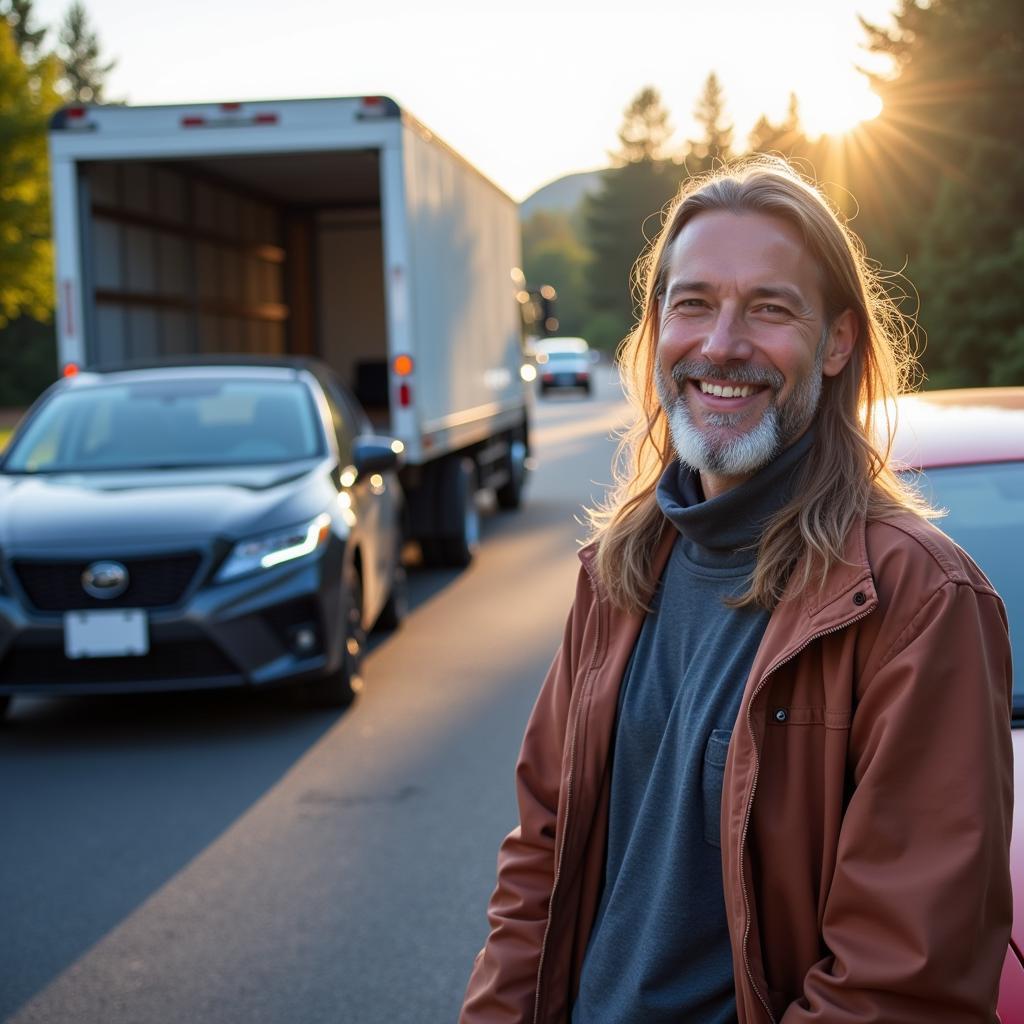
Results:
723 532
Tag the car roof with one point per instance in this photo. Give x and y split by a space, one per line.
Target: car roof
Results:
197 368
562 345
959 427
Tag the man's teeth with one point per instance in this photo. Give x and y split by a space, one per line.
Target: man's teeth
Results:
726 391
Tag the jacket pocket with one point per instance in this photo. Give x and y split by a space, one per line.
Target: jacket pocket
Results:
714 772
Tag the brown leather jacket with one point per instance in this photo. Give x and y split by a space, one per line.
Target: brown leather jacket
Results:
866 806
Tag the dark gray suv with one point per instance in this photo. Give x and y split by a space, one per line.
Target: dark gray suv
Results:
194 526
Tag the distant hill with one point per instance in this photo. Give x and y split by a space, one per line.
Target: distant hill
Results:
562 195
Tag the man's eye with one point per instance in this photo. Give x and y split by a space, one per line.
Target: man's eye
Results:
691 304
774 310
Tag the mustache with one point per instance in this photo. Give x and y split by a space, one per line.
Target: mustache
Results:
763 376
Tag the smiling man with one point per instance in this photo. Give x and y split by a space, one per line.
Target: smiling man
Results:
768 776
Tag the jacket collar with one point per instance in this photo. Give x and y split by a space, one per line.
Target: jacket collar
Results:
822 607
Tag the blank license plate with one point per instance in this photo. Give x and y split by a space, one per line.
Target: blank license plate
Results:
108 634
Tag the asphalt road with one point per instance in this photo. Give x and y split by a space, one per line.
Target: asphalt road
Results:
225 858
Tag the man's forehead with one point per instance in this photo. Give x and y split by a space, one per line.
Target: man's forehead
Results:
750 244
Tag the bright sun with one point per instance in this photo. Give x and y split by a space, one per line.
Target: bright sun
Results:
838 107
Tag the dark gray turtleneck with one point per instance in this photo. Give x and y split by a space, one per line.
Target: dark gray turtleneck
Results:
660 948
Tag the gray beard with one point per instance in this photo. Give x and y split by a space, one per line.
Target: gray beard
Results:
712 451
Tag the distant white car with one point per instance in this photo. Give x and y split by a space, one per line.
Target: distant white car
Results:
564 363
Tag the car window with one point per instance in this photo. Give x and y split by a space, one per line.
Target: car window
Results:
174 423
986 518
349 419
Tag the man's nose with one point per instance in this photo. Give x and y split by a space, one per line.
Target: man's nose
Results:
728 339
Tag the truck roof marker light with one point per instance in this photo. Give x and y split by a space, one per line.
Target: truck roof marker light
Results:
404 396
191 121
265 119
373 106
76 112
402 365
231 106
70 369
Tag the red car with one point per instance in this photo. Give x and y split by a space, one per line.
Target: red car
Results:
969 447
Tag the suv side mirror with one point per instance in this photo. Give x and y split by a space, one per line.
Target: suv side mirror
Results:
376 454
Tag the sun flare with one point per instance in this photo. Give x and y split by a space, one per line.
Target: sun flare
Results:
838 107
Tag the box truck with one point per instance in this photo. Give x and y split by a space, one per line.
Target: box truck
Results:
340 229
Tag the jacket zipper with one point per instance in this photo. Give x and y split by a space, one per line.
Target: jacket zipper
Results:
753 789
568 808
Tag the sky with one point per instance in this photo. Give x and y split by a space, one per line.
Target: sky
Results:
527 92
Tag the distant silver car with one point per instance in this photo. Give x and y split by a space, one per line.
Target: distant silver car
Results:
564 363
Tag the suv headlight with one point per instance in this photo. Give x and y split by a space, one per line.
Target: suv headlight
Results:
270 549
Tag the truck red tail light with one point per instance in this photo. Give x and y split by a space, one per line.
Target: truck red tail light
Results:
404 396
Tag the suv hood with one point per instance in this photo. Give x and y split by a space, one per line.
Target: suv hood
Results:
133 508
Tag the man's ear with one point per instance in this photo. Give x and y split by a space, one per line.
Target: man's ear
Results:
842 338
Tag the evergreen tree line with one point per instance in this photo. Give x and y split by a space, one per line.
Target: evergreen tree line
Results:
938 181
34 81
934 186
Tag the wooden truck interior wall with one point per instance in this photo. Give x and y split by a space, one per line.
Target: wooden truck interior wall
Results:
218 256
181 266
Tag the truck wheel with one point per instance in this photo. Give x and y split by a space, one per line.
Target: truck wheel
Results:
459 490
510 493
338 689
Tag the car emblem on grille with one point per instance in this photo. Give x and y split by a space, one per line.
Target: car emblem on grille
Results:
105 580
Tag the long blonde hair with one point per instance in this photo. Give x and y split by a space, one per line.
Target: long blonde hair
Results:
845 475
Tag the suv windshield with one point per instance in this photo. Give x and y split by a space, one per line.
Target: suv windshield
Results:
169 424
986 510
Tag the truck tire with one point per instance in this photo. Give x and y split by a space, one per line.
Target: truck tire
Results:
510 493
338 689
458 489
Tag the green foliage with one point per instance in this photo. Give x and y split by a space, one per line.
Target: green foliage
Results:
620 221
953 167
604 331
625 214
79 51
553 254
28 361
29 39
27 98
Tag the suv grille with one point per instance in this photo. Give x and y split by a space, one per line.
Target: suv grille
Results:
153 582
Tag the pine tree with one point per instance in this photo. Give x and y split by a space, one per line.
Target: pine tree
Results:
29 40
950 148
645 129
715 145
624 215
787 137
79 50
